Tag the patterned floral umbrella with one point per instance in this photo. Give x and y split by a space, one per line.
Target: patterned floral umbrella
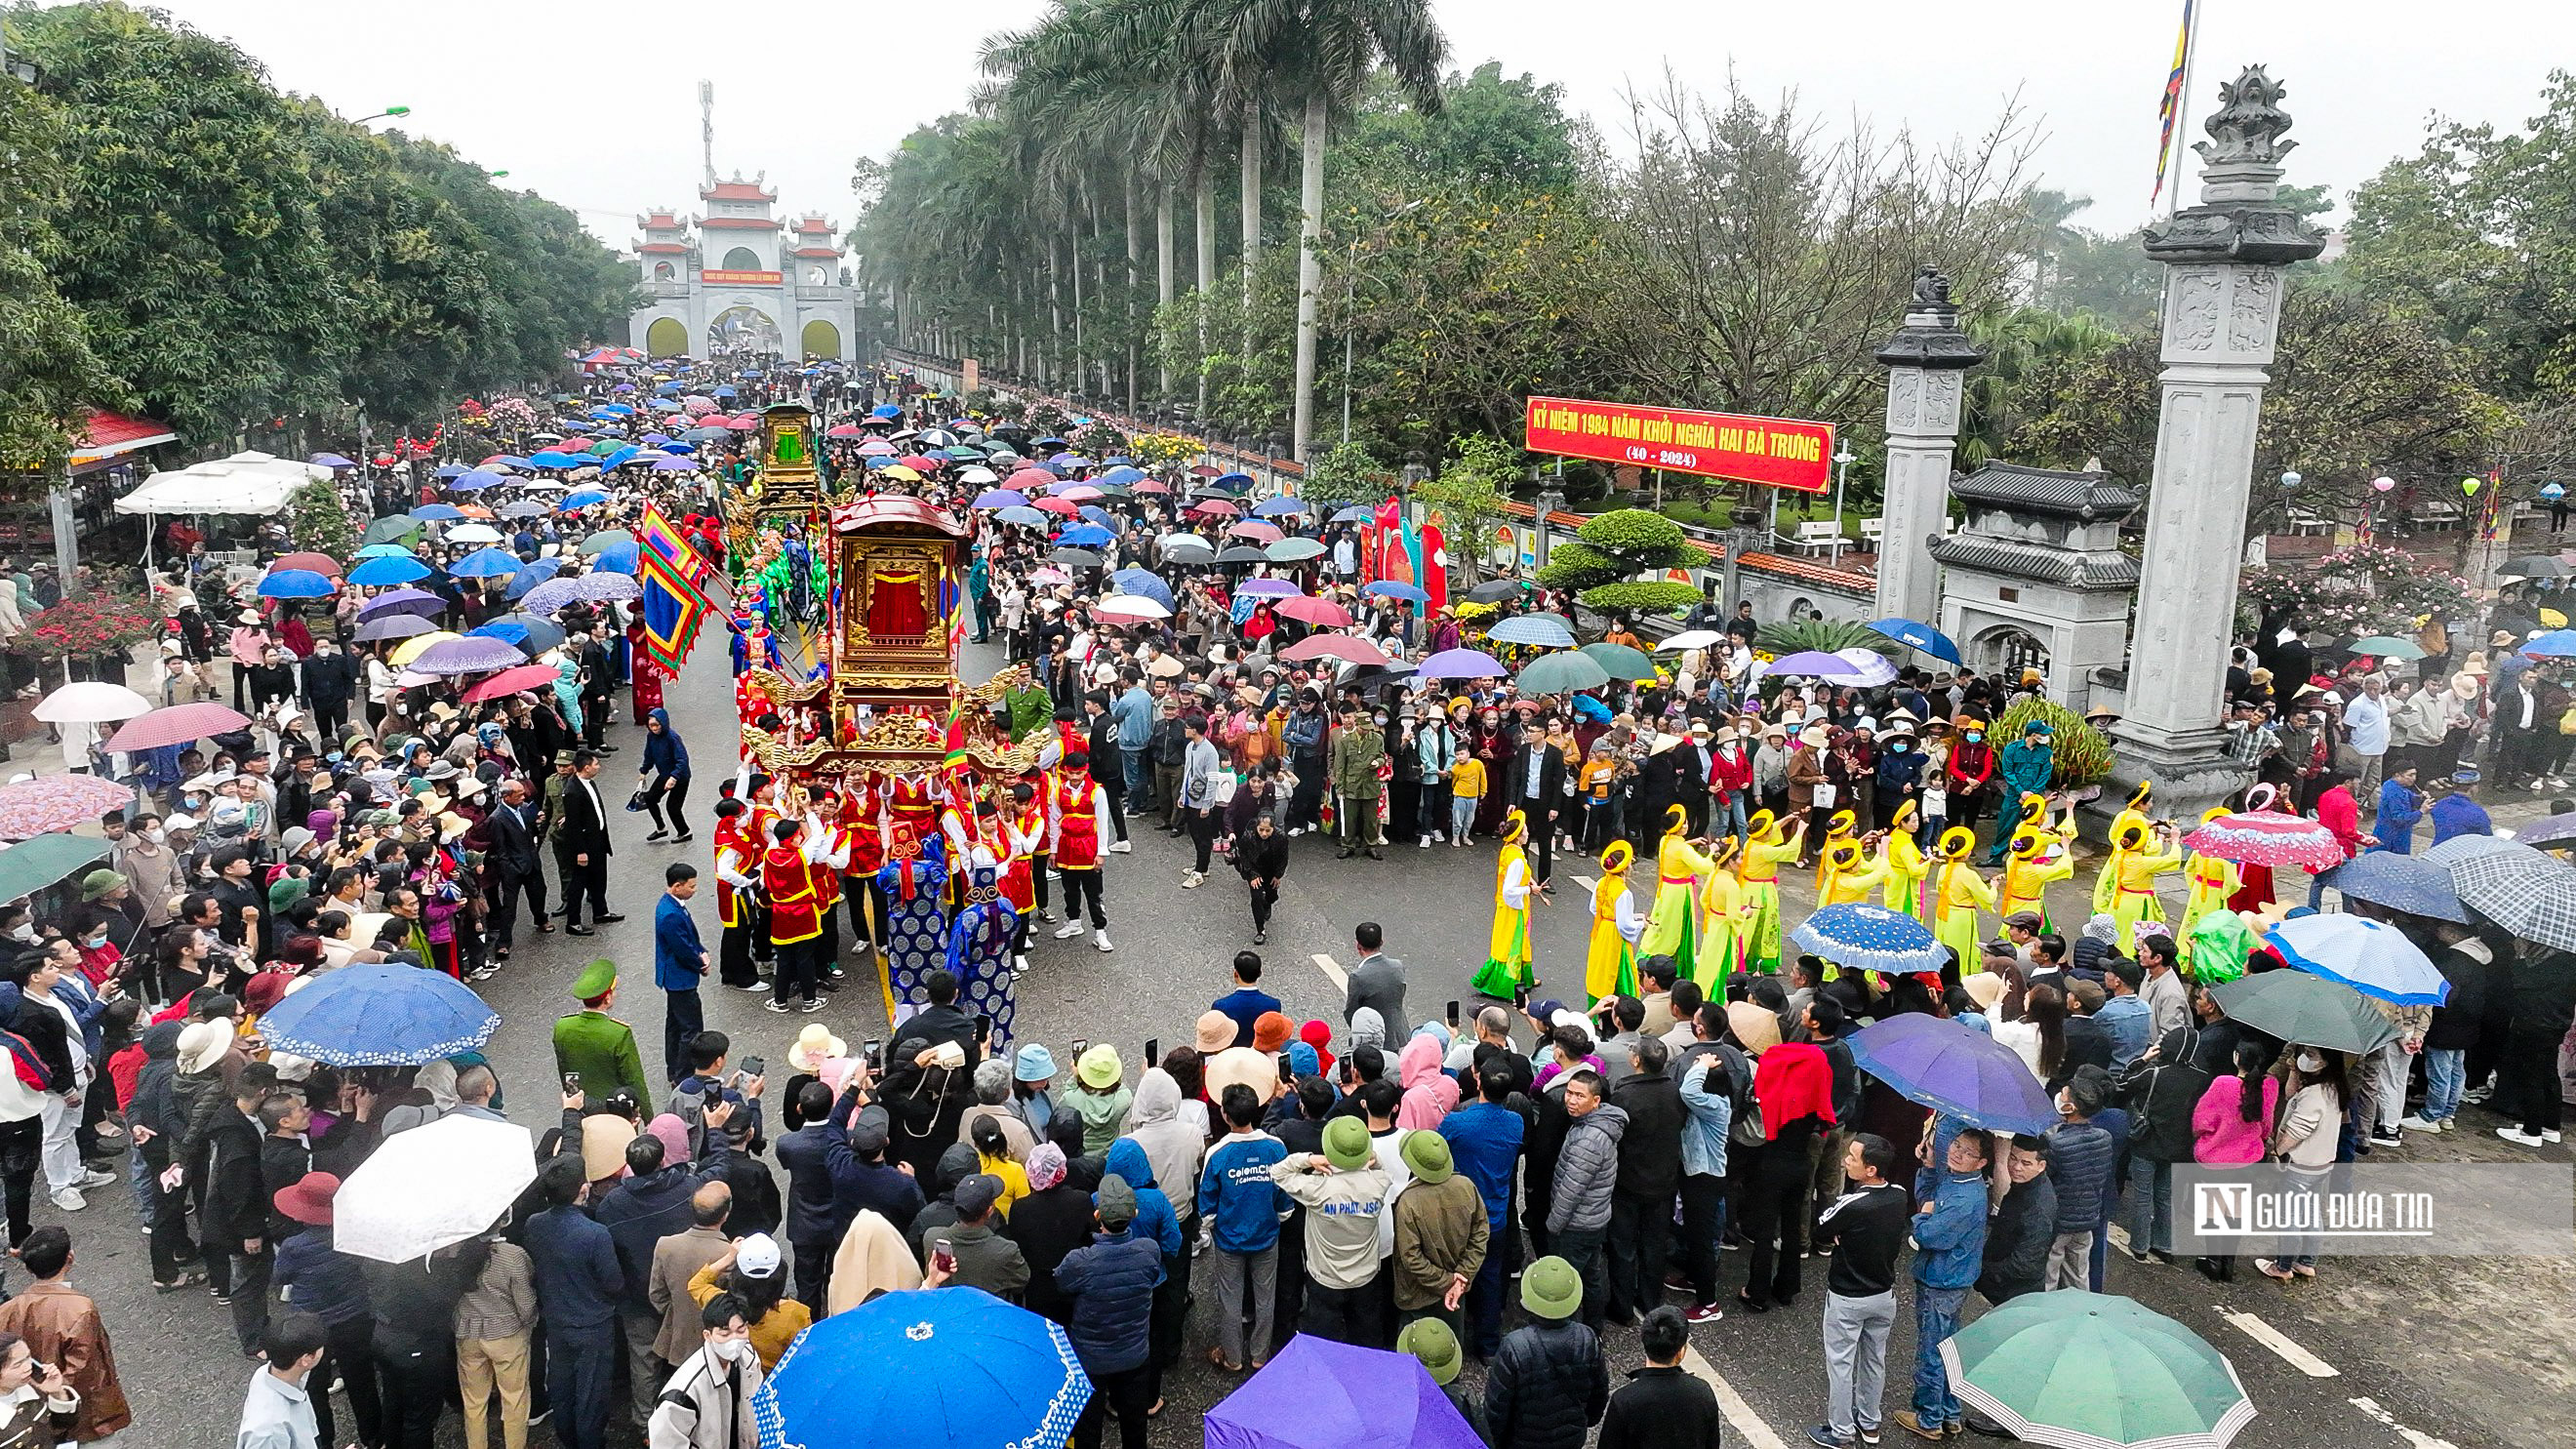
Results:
2267 837
48 803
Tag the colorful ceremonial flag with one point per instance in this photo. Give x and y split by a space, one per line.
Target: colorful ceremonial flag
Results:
674 577
2170 111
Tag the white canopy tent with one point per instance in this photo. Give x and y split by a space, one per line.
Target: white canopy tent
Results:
253 482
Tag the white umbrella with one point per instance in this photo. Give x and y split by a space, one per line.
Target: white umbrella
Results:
474 533
1689 639
91 701
1133 606
431 1186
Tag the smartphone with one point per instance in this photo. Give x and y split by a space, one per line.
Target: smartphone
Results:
572 1083
759 1067
1079 1047
875 1050
1287 1069
983 1026
942 1256
1153 1051
1520 998
1453 1016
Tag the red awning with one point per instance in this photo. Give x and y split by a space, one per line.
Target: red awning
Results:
112 435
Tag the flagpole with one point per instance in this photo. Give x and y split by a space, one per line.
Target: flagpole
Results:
2198 14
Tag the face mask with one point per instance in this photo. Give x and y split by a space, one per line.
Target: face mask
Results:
1974 737
153 835
731 1350
2310 1063
1899 747
24 931
97 939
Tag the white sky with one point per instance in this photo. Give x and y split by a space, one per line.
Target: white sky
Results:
595 105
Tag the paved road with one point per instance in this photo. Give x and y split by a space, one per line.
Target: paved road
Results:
2372 1353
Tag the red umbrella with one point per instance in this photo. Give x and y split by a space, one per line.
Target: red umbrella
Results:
845 430
512 681
1330 646
320 563
1065 506
1150 486
1204 471
1030 481
176 725
1257 531
1217 508
1322 613
2267 837
921 464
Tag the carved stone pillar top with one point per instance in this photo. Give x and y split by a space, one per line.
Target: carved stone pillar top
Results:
2239 218
1930 337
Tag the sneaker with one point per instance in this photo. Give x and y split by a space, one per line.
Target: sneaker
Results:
776 1005
754 984
2380 1137
2549 1135
482 973
2521 1138
1260 938
1296 830
1869 1435
1703 1313
1824 1437
1122 848
657 835
1424 842
1100 941
1046 913
1191 880
2477 1096
95 1178
2418 1124
812 1003
1906 1420
1068 930
2272 1269
70 1200
1019 965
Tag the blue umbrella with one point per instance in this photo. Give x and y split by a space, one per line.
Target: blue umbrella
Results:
617 558
475 481
1955 1070
2372 957
387 570
620 458
331 460
1096 514
1002 498
541 634
1278 507
509 460
1922 636
437 513
1538 629
723 392
2556 644
940 1368
1390 589
379 1016
296 584
450 470
2406 883
403 601
530 575
580 499
1871 938
1353 513
1028 517
384 550
682 447
885 410
1233 480
1120 477
1144 583
485 563
1084 535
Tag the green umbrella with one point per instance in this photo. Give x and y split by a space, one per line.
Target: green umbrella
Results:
2093 1371
1561 674
603 448
389 530
1621 661
2386 646
606 539
2305 1010
32 865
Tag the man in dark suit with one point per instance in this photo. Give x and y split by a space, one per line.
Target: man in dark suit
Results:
582 841
330 682
516 870
1690 780
598 688
1535 786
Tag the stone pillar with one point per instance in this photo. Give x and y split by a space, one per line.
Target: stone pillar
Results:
2222 308
1926 360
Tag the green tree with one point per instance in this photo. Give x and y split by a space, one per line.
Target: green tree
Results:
1610 550
1346 475
1467 495
49 376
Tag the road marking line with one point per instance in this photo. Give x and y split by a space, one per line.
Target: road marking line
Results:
1732 1404
1332 969
2414 1437
2255 1328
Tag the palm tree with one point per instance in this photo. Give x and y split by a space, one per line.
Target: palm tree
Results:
2050 211
1322 51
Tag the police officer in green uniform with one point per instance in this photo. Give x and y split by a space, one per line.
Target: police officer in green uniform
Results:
595 1048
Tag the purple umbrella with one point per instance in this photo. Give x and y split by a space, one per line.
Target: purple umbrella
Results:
393 626
675 465
1461 664
1955 1070
1269 588
606 588
551 595
1816 664
472 654
403 601
1318 1394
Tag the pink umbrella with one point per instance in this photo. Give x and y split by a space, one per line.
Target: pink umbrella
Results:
1257 531
177 725
511 681
1064 506
2267 837
1321 612
844 430
1080 493
320 563
875 448
1049 574
1031 481
49 803
1216 508
1332 646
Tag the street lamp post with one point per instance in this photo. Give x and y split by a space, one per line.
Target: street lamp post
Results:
389 111
1842 468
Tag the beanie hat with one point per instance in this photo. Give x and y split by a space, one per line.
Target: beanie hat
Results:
1346 1143
1115 1202
1551 1289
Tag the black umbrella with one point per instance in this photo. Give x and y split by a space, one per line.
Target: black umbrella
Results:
2534 566
1495 591
1076 558
1242 554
